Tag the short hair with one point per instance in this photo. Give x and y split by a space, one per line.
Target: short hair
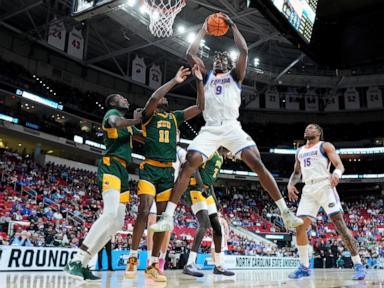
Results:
224 54
318 127
109 99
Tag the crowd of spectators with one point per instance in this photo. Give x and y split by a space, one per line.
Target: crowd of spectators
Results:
54 205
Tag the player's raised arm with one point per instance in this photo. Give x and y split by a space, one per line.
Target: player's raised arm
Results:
121 122
330 151
193 49
293 180
195 110
153 101
242 62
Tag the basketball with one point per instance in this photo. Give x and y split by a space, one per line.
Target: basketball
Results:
216 25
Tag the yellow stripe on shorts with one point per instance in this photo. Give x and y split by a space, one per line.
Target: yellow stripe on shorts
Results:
163 196
111 182
211 201
196 197
145 187
124 197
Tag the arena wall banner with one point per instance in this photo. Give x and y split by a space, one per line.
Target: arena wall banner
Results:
18 258
242 262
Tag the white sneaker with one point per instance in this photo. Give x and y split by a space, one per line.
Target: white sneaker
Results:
165 223
290 220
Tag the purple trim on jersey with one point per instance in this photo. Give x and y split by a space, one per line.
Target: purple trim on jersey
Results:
321 149
298 151
242 149
334 213
194 150
310 216
207 77
238 84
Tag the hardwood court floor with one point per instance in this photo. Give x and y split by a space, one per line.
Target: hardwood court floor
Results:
245 278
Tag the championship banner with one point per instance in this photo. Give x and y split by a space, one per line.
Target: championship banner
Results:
76 43
272 99
19 258
351 99
374 98
155 76
311 101
331 103
253 100
252 262
138 69
292 100
57 35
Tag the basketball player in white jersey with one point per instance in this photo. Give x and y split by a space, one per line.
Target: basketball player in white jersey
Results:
180 158
313 161
221 110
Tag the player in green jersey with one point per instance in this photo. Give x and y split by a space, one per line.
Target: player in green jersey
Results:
112 178
156 172
201 197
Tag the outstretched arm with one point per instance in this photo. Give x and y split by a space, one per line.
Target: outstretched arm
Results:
195 110
121 122
153 101
293 180
193 49
241 44
330 151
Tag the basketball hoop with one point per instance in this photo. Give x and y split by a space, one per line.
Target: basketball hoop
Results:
162 14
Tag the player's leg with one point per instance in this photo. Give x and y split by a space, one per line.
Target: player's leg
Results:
198 151
200 210
146 192
241 144
152 217
331 204
163 250
217 239
110 221
307 210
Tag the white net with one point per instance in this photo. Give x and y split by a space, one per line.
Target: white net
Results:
162 14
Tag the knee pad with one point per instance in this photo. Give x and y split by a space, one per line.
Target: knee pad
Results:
216 227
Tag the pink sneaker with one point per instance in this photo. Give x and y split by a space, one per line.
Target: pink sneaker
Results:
161 265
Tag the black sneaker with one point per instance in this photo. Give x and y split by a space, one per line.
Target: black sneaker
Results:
88 275
220 270
191 269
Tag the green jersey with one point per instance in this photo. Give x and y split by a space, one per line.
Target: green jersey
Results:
210 170
160 131
118 141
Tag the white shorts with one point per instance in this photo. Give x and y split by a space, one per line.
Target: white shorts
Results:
229 134
319 195
153 208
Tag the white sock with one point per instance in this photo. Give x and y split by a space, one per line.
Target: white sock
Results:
218 259
171 207
192 258
162 255
356 259
281 204
82 256
303 253
154 259
149 254
134 253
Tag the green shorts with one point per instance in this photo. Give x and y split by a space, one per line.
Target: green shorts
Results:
156 179
113 175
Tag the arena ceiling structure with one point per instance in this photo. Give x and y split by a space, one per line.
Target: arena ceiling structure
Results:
113 38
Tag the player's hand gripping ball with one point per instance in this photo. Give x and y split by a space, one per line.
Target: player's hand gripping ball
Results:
217 25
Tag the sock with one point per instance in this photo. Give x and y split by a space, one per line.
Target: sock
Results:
82 256
218 259
149 254
303 253
281 204
154 260
162 255
192 258
356 259
171 207
133 253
